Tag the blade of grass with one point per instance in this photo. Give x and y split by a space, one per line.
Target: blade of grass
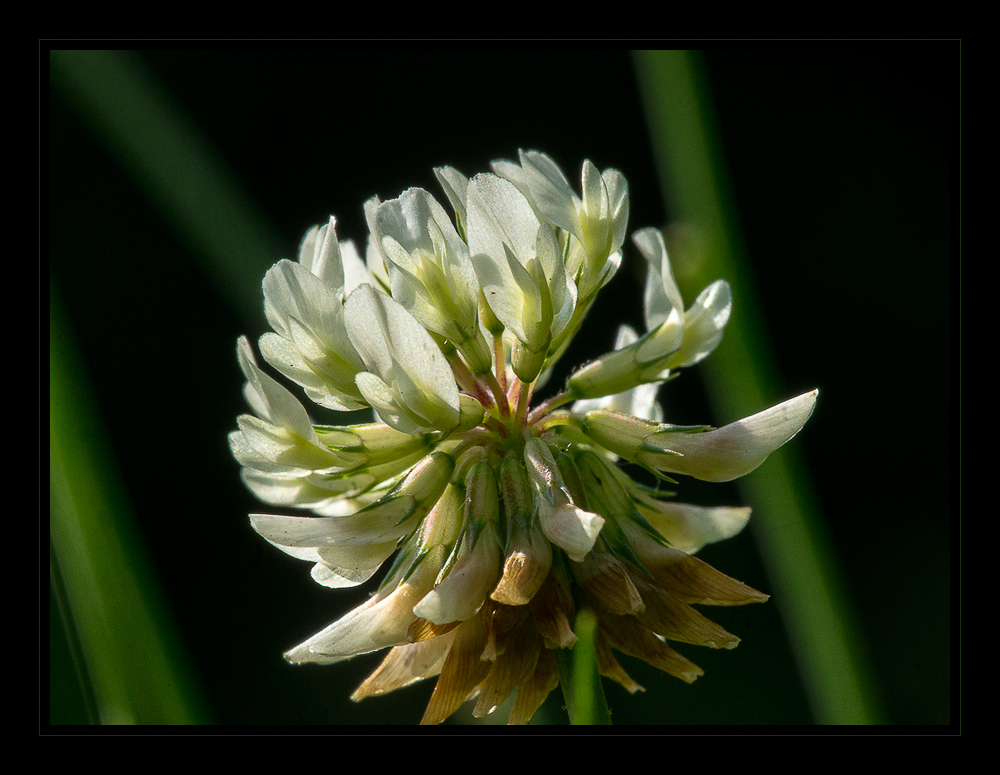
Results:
132 668
108 597
788 525
174 166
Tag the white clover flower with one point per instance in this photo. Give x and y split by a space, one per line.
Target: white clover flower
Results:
685 336
406 378
430 272
497 519
303 303
520 269
598 219
675 338
718 455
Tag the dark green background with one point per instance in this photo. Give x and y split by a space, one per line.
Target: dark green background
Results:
843 164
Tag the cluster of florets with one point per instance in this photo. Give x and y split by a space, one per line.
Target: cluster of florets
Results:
500 518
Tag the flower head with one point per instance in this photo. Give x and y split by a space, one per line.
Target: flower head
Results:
497 520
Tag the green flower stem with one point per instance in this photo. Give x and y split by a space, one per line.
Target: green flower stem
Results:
469 384
523 390
548 406
499 363
787 523
499 394
579 677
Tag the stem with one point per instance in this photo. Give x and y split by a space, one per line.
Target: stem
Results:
500 366
523 400
579 677
473 438
469 384
547 406
498 393
496 426
569 422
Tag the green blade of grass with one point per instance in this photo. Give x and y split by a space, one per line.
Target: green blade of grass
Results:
175 167
132 668
787 521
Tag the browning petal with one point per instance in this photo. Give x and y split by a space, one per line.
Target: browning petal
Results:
609 667
500 622
629 637
462 672
676 620
404 665
512 667
694 581
422 630
604 577
532 692
553 610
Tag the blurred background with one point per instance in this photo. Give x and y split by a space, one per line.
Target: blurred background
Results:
174 179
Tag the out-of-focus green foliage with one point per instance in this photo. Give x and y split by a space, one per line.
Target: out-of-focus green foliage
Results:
131 669
787 521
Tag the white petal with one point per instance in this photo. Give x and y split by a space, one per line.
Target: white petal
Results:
283 489
327 380
499 215
351 565
271 401
355 270
617 188
394 345
551 191
292 291
563 523
570 528
455 185
320 254
311 346
664 307
460 594
406 220
735 449
689 528
507 288
376 624
286 448
382 523
328 577
704 323
385 402
248 457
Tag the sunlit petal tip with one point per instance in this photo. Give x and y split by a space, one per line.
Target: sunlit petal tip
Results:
688 527
734 450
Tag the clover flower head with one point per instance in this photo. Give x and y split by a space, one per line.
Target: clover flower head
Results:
497 520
